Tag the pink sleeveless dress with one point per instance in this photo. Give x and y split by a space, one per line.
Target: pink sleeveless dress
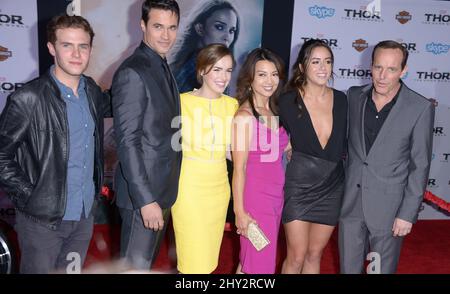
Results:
263 195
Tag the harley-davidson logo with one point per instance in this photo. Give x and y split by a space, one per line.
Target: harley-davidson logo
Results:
4 53
403 17
360 45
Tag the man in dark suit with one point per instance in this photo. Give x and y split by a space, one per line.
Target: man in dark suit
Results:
389 155
145 101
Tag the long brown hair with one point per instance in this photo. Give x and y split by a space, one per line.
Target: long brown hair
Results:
247 75
300 67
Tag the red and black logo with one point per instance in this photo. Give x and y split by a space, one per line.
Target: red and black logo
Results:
360 45
403 17
4 53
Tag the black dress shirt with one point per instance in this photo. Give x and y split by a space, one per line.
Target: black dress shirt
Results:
374 120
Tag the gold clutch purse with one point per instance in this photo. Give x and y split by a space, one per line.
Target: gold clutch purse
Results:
257 236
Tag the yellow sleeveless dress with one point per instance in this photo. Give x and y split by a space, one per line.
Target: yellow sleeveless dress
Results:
200 210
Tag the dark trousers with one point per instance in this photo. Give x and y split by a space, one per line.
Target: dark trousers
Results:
46 251
139 246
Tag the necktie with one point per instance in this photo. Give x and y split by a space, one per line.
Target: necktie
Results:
169 78
172 85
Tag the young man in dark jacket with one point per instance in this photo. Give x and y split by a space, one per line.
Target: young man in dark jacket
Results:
51 153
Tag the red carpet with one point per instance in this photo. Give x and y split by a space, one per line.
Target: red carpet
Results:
425 251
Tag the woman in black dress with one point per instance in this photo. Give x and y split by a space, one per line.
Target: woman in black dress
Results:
315 116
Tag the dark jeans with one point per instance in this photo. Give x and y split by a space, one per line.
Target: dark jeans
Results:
46 251
139 246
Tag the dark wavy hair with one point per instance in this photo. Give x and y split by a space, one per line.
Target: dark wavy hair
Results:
300 67
247 75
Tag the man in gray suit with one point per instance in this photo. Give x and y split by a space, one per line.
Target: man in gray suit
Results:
145 101
389 154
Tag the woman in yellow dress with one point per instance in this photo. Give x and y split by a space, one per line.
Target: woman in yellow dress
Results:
200 210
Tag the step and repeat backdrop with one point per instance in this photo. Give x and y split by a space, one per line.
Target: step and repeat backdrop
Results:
18 45
19 60
350 27
353 27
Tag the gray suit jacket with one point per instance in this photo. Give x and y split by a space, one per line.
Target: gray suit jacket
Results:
144 104
392 178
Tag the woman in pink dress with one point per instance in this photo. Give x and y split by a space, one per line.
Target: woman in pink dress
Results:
258 144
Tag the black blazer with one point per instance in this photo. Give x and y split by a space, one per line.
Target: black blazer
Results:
144 103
